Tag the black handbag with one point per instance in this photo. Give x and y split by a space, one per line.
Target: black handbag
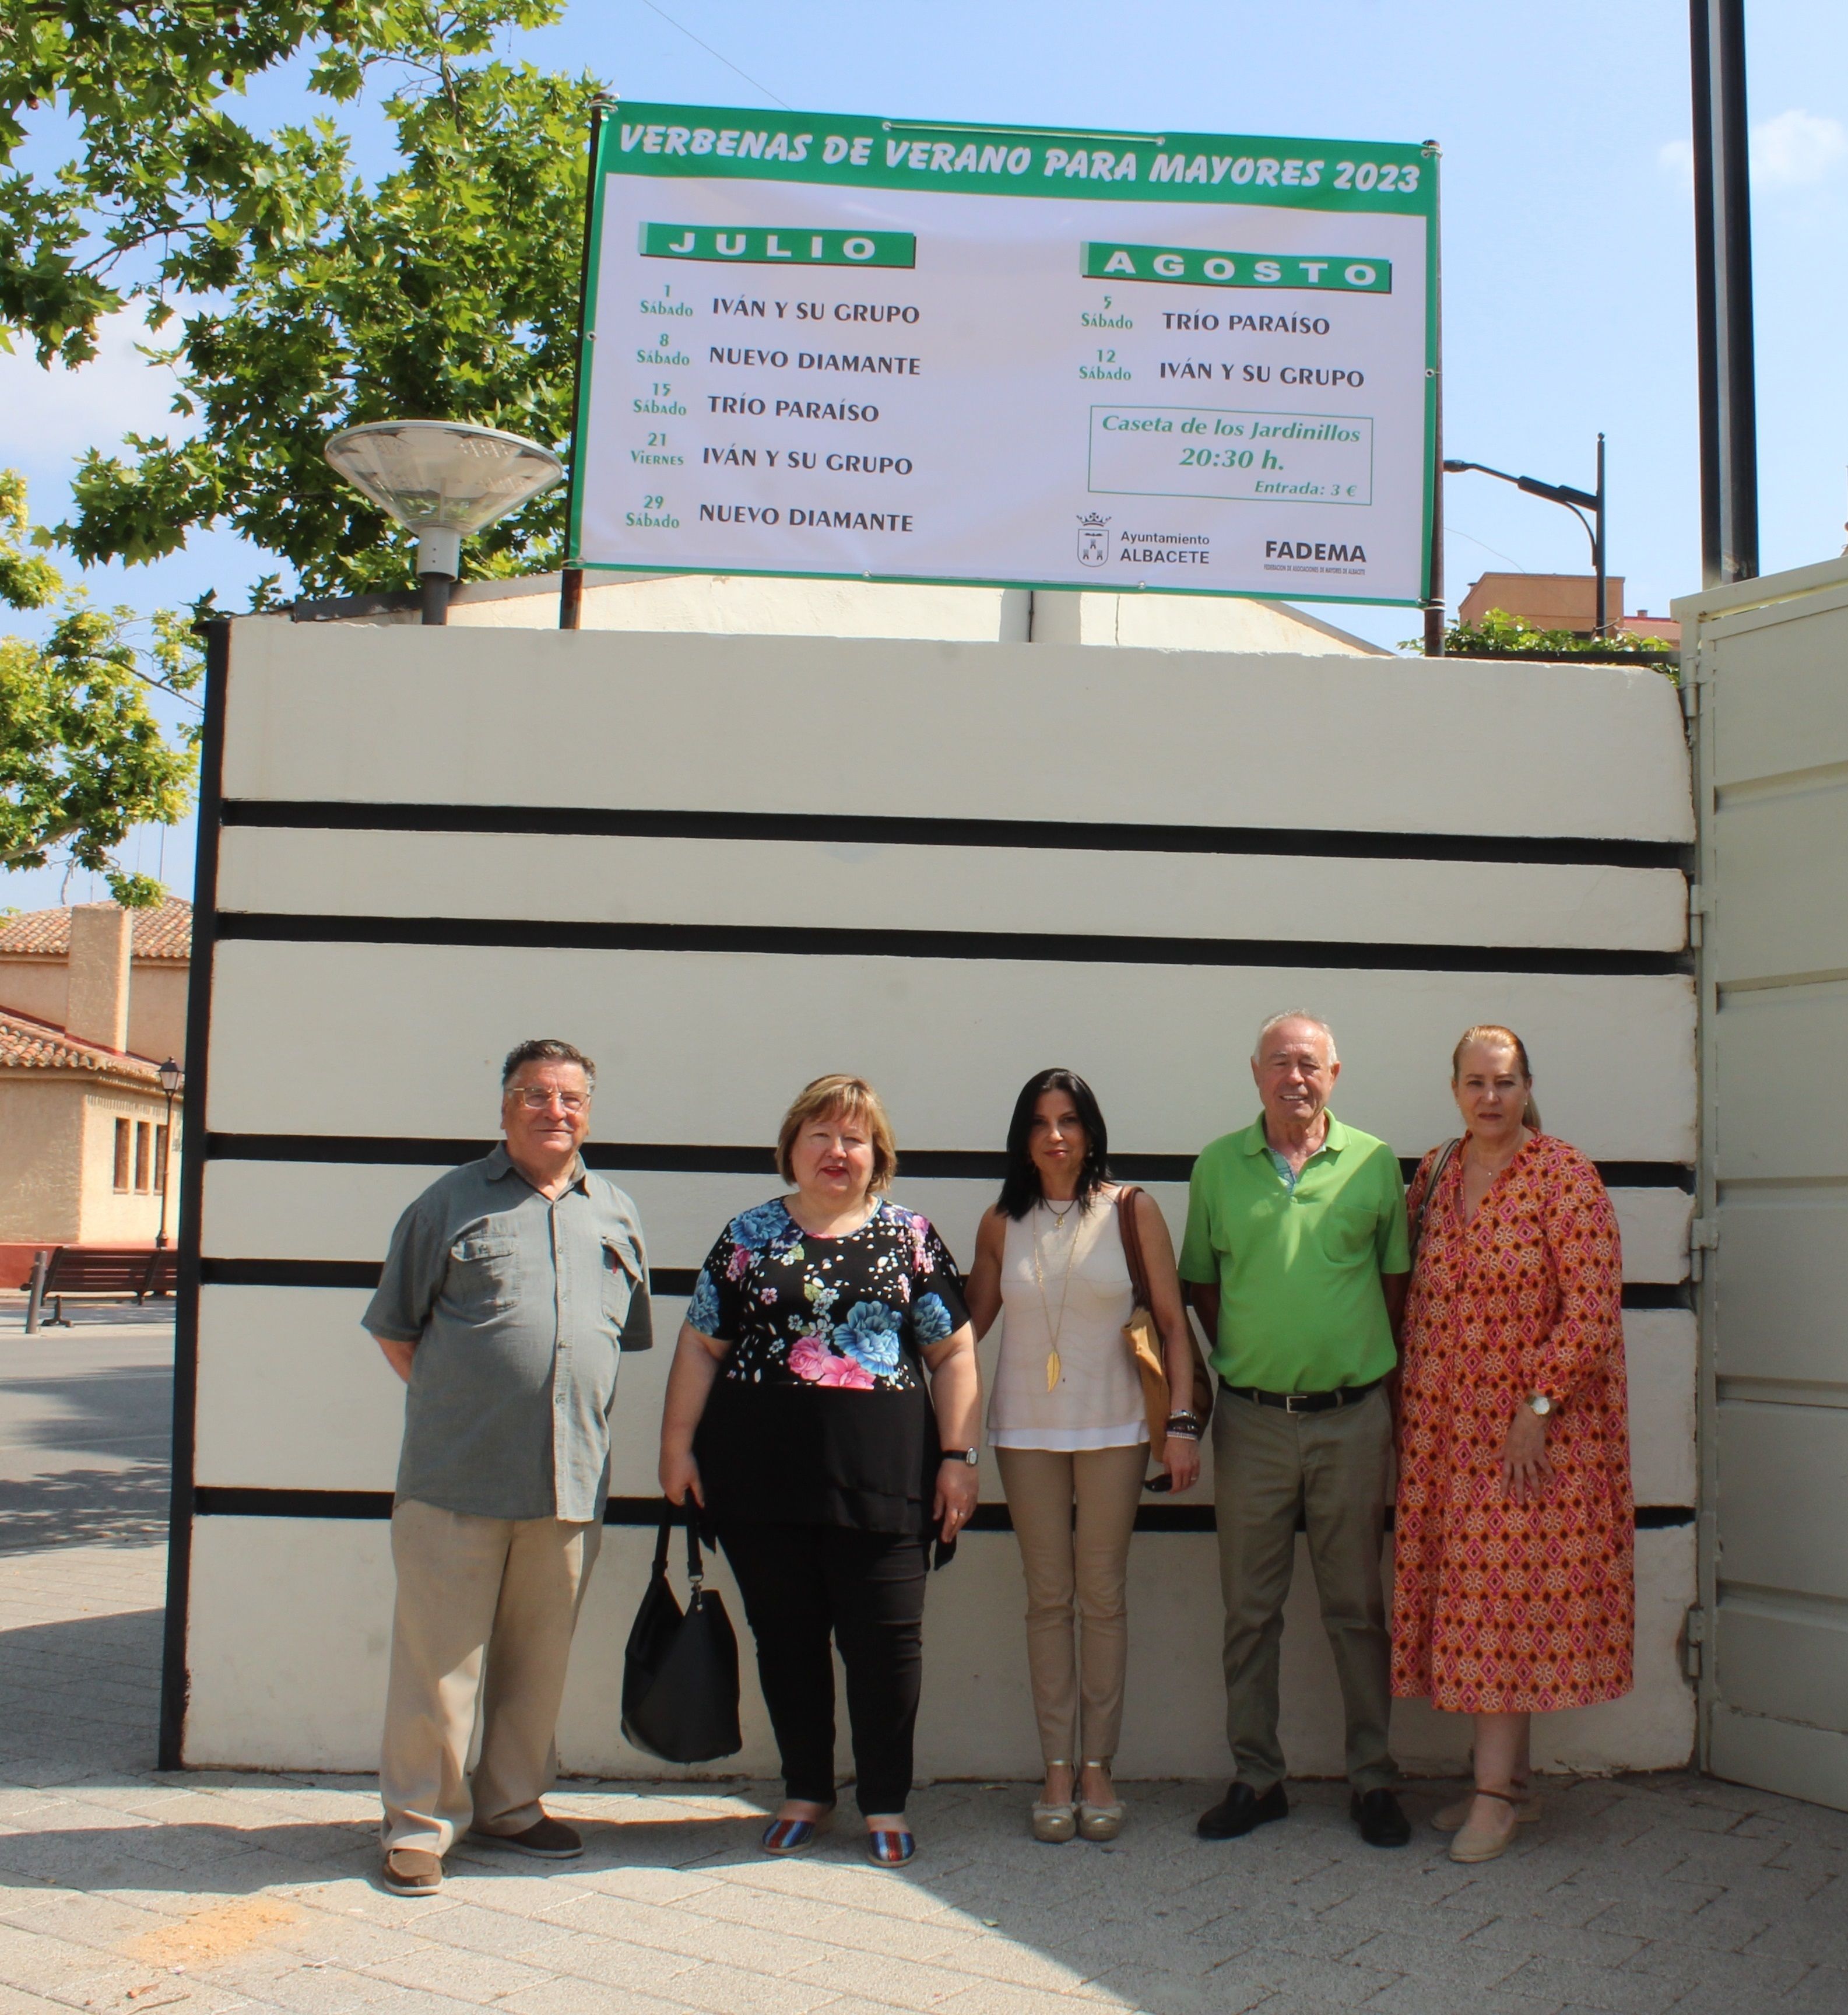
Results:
681 1669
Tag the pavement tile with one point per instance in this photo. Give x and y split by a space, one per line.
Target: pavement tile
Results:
1744 1981
902 1983
1621 1989
587 1997
463 1975
586 1956
994 1997
1822 1991
1538 1938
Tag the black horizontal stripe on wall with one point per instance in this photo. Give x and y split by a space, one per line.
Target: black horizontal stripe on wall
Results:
854 829
974 1164
530 934
221 1501
364 1273
662 1280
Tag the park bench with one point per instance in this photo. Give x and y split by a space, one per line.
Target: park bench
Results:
100 1272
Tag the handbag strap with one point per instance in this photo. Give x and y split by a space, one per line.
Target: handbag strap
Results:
695 1567
1132 1236
1424 1202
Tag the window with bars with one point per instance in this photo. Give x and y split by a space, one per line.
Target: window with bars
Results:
122 1154
144 1155
160 1153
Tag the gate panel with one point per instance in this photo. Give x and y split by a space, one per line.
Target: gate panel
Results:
1765 686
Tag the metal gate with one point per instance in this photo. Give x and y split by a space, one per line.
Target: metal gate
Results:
1766 688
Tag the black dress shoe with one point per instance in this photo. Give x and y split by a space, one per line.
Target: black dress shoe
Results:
1240 1810
1381 1818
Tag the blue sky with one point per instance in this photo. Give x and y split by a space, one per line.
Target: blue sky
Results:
1567 231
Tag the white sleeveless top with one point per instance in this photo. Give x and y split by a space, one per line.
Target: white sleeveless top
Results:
1097 1401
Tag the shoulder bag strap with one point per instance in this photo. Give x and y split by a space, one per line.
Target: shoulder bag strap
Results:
661 1538
1424 1202
1132 1236
695 1566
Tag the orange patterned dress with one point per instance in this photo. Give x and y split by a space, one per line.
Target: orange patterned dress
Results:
1500 1607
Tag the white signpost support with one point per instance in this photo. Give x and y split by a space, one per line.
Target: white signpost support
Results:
875 348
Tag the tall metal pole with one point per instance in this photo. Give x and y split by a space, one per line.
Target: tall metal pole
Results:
571 579
1603 617
1434 607
1723 288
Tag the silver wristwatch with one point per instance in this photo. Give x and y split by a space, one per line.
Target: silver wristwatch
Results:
1538 1405
971 1456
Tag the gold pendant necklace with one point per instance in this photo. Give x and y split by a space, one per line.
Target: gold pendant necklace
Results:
1057 1328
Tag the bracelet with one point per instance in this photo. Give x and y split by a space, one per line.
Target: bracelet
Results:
1187 1425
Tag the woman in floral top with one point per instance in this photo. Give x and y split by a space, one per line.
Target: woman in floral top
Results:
822 1409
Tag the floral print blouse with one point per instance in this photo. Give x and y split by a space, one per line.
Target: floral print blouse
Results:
820 1413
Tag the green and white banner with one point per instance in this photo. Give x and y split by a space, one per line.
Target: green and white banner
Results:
991 354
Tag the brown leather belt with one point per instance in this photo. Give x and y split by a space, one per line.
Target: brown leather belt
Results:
1304 1402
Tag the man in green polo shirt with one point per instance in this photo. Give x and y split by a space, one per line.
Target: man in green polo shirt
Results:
1296 1261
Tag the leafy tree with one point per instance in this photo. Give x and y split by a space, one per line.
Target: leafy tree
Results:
82 758
306 299
1500 635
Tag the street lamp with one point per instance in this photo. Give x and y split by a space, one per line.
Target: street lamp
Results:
445 481
172 1077
1558 493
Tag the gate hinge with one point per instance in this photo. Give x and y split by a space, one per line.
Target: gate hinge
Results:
1693 1642
1703 1236
1702 903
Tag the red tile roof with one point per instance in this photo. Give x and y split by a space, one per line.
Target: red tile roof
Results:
26 1044
165 932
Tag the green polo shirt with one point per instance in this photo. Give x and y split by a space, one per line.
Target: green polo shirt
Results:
1298 1265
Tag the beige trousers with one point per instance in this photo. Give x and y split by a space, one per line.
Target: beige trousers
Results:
1268 1467
485 1613
1077 1685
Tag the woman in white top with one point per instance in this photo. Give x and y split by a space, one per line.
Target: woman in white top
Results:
1068 1425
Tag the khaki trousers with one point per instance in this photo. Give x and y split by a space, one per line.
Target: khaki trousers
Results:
485 1613
1078 1686
1269 1467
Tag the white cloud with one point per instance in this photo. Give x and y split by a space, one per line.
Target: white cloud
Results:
1794 149
52 416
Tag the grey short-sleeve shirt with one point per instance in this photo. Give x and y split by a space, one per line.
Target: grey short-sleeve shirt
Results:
519 1306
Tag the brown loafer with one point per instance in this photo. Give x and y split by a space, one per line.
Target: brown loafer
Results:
549 1840
412 1871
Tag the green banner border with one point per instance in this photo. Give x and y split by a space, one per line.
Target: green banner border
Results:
1427 205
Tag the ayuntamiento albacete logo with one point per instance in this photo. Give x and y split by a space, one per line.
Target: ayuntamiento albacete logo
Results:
1093 545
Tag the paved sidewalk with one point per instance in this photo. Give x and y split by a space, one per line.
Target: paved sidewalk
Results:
124 1890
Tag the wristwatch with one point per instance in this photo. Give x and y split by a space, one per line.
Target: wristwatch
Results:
971 1456
1538 1405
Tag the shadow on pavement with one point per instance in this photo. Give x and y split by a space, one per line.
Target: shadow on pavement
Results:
83 1507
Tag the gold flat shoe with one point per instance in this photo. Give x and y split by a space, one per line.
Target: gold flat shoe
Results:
1474 1844
1453 1819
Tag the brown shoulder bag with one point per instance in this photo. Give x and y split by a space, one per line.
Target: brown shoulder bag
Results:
1144 1340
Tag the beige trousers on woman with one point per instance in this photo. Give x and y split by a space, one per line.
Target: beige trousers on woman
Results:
1078 1686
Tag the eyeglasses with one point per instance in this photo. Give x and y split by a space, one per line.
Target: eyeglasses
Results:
536 1098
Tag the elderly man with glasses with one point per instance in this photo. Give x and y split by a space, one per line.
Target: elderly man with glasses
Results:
511 1285
1296 1260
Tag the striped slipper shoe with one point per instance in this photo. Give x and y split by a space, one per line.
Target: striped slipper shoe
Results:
794 1836
890 1846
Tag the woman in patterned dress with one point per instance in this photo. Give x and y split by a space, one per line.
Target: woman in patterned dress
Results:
1515 1585
822 1408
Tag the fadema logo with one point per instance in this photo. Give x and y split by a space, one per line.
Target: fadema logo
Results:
1093 545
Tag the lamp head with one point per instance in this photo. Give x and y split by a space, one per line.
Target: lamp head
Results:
172 1077
443 479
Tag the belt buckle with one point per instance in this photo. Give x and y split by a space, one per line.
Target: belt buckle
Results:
1290 1399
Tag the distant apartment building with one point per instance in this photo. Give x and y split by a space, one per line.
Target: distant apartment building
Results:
92 999
1562 601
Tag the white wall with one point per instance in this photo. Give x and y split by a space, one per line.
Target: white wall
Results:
1095 916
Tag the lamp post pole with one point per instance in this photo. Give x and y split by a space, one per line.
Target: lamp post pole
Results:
1577 502
1723 294
172 1077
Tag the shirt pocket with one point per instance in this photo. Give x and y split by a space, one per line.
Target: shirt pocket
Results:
1347 1231
622 1276
483 1279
